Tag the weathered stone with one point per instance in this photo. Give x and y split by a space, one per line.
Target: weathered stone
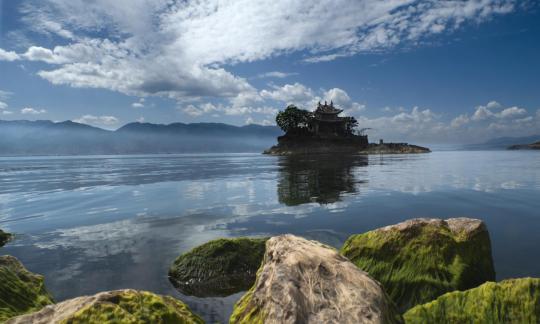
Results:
509 301
4 238
420 259
119 306
21 291
303 281
218 268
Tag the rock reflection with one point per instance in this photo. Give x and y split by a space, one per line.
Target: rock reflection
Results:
317 178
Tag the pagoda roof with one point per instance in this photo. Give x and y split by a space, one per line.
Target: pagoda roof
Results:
327 108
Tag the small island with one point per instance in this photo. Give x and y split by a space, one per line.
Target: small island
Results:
533 146
324 131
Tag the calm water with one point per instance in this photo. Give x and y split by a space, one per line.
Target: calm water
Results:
100 223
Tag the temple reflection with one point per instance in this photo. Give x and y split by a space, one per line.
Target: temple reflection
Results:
317 178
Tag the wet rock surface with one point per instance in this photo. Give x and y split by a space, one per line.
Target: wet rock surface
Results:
21 291
420 259
119 306
218 268
302 281
508 301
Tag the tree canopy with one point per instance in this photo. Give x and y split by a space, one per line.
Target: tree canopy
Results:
293 118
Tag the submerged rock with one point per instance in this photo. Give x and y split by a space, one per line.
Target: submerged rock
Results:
303 281
218 268
120 306
21 291
4 238
509 301
420 259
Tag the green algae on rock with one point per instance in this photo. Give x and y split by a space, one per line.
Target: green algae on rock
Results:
509 301
119 306
4 238
21 291
220 267
420 259
302 281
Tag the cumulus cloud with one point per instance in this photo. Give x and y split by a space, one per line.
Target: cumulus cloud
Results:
8 55
97 120
32 111
181 49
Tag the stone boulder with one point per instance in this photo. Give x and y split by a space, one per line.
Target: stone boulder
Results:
119 306
420 259
4 238
303 281
21 291
509 301
218 268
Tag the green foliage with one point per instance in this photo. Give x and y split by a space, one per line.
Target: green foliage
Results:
509 301
218 268
418 265
293 119
20 290
4 238
134 307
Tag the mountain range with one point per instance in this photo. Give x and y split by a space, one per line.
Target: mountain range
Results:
45 137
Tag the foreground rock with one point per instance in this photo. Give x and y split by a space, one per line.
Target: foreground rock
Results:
218 268
21 291
120 306
394 148
509 301
4 238
420 259
303 281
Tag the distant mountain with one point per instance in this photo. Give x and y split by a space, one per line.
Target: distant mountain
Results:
44 137
501 143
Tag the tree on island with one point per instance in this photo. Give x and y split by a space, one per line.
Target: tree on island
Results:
301 122
293 119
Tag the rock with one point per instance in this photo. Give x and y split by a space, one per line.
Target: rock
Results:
218 268
303 281
21 291
394 148
4 238
119 306
509 301
420 259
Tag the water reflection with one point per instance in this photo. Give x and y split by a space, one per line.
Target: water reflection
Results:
317 178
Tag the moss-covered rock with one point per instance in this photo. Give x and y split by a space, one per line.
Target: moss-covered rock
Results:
218 268
119 306
4 238
418 260
21 291
302 281
509 301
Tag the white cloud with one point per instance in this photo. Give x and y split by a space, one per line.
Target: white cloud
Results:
276 74
179 49
138 104
97 120
8 55
460 121
296 93
511 112
3 105
32 111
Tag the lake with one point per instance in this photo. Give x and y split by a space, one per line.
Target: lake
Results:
98 223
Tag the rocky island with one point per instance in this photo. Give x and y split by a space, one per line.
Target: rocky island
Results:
533 146
324 131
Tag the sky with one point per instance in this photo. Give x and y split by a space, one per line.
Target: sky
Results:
431 71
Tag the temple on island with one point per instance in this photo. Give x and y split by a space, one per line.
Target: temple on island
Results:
327 123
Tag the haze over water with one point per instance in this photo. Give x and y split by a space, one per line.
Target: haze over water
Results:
98 223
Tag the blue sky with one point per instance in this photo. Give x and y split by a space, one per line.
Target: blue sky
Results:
426 71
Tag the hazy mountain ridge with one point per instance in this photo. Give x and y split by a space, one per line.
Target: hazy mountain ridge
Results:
504 142
44 137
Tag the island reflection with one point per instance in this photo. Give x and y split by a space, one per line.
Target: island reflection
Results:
317 178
